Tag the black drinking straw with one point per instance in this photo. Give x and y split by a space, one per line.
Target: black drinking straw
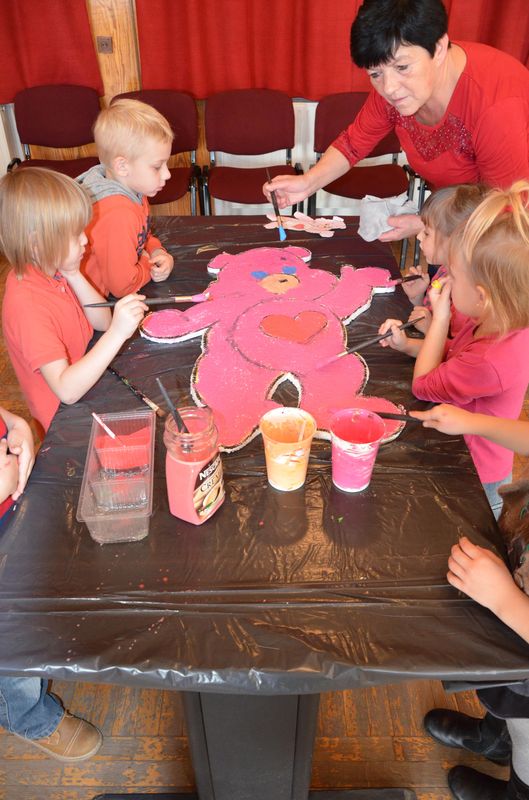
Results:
180 424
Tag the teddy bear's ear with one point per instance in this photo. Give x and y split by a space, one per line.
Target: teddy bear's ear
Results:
299 252
219 262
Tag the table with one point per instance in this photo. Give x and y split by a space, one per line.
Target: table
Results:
279 596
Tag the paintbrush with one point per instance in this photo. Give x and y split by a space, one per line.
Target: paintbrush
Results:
107 430
180 424
408 278
390 415
282 233
157 301
157 410
369 342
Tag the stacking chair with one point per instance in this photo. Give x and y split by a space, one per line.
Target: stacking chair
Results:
59 116
180 110
246 122
333 114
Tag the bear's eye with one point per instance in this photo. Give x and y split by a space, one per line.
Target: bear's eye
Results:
289 270
524 511
259 275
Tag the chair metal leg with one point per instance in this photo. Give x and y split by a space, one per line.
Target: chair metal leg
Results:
311 205
416 253
193 194
206 203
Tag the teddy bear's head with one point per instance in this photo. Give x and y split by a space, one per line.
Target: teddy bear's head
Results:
263 271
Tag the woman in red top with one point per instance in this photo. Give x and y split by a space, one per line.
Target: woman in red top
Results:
460 110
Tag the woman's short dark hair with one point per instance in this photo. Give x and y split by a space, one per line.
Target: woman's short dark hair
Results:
381 26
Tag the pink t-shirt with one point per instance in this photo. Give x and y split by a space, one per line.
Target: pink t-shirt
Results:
487 376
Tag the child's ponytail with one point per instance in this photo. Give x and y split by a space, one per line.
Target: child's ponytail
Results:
494 244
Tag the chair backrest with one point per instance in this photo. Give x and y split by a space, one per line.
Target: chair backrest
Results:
56 115
179 109
249 121
335 112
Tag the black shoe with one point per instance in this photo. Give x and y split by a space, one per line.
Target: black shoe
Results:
488 737
517 789
466 783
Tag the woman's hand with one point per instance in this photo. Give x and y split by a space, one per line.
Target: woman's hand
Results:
403 226
289 189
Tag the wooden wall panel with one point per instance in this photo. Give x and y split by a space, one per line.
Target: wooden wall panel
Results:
120 69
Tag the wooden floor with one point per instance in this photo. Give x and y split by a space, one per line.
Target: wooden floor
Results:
366 738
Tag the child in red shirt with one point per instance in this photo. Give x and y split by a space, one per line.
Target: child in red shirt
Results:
46 330
503 733
443 212
485 367
134 144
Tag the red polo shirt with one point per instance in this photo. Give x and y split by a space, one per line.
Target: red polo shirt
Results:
42 322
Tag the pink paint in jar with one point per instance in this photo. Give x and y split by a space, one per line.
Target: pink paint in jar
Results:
356 434
193 469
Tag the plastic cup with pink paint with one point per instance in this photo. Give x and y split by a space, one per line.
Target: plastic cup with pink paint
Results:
287 437
356 434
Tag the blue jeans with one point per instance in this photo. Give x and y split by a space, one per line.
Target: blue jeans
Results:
495 500
27 709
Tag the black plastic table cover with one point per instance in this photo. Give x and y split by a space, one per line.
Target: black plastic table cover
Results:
300 592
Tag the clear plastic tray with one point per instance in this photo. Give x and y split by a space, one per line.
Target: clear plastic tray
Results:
116 493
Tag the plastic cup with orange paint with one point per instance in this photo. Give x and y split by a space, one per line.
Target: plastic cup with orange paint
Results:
287 436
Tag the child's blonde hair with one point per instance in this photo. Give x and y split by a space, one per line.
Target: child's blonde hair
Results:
448 208
494 245
123 127
40 211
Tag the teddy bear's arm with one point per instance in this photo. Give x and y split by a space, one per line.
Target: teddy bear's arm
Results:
195 320
353 292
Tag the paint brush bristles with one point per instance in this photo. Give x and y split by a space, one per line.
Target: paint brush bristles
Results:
180 424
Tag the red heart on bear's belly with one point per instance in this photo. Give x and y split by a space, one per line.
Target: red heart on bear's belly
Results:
300 329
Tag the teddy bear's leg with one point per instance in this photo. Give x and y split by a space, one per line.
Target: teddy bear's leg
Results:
237 392
338 385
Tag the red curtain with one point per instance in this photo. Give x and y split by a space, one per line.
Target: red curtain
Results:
45 41
206 46
299 46
504 24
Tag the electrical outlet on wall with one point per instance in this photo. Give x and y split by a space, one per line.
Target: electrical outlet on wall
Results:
104 44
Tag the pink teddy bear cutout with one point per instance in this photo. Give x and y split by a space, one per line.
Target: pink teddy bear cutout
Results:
269 317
